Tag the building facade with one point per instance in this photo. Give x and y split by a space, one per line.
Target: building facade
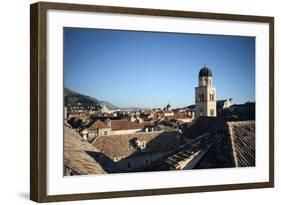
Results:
205 94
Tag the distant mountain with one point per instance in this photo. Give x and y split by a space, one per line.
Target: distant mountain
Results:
108 105
72 98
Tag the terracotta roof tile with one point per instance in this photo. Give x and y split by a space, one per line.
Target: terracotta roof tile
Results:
125 125
75 154
243 142
120 146
98 124
228 144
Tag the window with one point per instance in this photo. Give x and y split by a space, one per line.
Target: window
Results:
201 97
201 112
129 165
105 132
212 97
212 112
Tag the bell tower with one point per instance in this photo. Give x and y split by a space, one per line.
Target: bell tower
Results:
205 95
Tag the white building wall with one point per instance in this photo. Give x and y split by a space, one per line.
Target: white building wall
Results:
185 120
168 114
207 106
204 81
123 132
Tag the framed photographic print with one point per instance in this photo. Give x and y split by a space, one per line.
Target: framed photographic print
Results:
134 102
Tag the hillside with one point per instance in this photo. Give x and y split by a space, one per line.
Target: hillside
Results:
108 105
72 98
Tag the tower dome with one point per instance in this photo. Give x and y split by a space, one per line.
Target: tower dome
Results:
168 106
205 72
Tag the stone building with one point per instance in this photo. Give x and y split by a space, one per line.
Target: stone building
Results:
223 104
205 95
135 152
106 126
99 128
121 127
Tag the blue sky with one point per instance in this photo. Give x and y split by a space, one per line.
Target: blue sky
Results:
150 69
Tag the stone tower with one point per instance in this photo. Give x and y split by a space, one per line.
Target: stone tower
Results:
205 95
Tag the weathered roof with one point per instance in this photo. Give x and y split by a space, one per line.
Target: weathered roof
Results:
201 126
220 154
180 115
223 144
75 154
180 159
98 124
121 145
243 142
125 125
234 146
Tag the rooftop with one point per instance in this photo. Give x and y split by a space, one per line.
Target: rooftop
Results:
99 124
75 154
121 146
214 143
205 72
125 125
243 142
